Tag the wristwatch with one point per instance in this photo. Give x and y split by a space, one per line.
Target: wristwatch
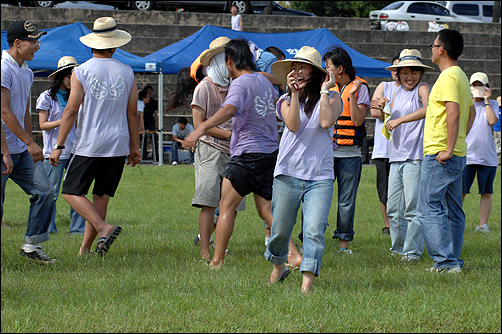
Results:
58 147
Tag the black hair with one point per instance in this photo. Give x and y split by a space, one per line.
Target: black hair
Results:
340 57
312 91
142 94
396 57
276 52
452 41
146 88
185 85
102 50
183 120
238 50
58 81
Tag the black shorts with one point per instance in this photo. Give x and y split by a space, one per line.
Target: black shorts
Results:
81 171
252 173
382 168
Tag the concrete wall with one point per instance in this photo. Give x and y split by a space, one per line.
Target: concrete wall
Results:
154 30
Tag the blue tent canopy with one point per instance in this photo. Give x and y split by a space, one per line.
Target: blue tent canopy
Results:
64 41
181 54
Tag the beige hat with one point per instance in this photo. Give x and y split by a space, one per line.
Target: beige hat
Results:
64 63
105 35
479 76
410 58
307 54
215 47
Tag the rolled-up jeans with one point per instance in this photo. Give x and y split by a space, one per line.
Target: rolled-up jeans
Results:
440 210
31 177
288 193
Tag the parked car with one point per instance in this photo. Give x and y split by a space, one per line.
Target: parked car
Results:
418 10
279 10
244 7
480 10
33 3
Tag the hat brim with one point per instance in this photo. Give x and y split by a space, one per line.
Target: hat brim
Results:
53 74
206 55
99 42
410 64
281 69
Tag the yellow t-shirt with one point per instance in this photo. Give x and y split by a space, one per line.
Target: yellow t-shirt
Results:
451 85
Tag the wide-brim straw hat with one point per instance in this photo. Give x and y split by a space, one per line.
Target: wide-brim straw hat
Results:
216 46
307 54
105 35
410 58
64 63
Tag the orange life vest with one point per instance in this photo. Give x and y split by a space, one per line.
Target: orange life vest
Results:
346 133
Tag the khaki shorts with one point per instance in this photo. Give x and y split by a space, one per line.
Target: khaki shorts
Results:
210 163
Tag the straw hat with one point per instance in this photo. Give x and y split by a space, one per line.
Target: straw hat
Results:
64 63
479 76
105 35
410 58
307 55
215 47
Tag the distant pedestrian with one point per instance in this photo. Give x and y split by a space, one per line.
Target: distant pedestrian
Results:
236 19
107 132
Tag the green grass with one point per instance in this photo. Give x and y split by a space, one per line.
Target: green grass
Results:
152 281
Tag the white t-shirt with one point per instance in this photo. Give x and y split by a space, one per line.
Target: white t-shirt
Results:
236 25
18 81
381 144
481 148
141 106
102 129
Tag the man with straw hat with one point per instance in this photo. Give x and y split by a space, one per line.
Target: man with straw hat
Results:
107 131
450 114
27 172
253 144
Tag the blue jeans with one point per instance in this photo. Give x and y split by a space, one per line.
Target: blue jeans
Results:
174 151
31 177
440 210
288 193
348 175
402 199
55 174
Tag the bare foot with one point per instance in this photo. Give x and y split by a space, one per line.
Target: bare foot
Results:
306 289
278 274
294 261
3 225
215 265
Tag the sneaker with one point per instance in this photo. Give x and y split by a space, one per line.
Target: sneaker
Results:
344 250
34 253
452 270
386 231
196 240
409 259
266 241
482 229
174 163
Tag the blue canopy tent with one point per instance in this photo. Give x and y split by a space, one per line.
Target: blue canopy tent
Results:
64 41
181 54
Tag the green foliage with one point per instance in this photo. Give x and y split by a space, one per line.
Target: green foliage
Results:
151 280
339 8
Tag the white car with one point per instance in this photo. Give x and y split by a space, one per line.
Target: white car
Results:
418 11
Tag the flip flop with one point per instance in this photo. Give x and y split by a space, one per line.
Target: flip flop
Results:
293 267
107 241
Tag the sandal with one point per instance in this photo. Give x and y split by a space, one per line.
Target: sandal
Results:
107 241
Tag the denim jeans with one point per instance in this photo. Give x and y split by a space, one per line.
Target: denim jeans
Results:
288 193
348 175
174 152
31 177
55 174
405 230
440 210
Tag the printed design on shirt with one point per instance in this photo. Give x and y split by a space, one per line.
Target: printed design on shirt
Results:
107 90
265 105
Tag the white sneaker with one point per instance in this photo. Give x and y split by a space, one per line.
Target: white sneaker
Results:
266 241
452 270
482 228
174 163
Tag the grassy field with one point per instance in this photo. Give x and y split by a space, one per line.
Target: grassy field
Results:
152 281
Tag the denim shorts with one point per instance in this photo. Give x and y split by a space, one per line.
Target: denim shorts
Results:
106 173
486 176
252 173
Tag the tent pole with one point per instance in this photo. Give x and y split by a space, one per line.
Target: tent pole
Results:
161 119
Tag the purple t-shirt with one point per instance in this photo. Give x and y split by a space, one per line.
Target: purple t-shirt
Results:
254 126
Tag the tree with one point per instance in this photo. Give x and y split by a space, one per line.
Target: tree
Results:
339 8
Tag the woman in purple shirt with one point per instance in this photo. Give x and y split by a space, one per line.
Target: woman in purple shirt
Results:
304 169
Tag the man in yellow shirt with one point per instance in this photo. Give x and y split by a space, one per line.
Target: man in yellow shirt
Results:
450 113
